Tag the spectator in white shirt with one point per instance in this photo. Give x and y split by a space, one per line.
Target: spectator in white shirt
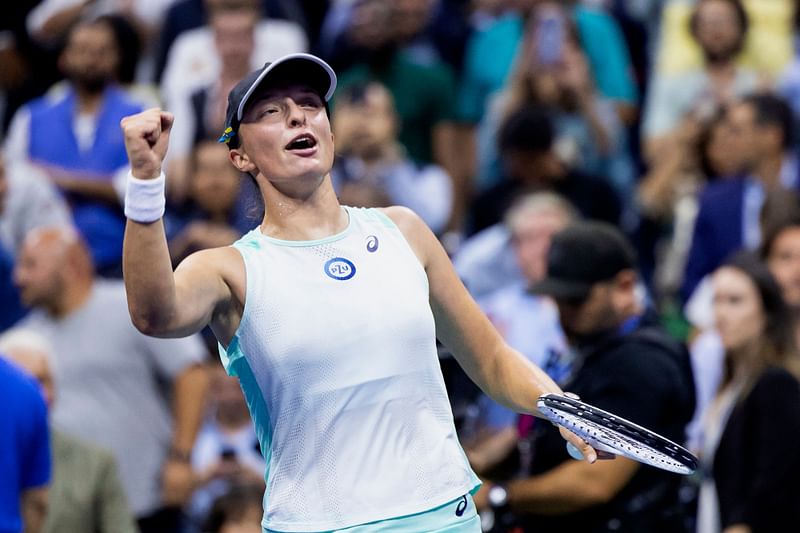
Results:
194 60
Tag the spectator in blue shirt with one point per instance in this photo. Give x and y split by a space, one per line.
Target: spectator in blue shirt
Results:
24 452
73 135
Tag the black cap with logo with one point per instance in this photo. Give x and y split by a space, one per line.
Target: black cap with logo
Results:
581 255
302 68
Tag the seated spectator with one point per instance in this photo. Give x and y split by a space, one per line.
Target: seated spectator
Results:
768 47
74 135
485 262
781 253
678 101
625 363
24 451
200 114
85 493
194 61
185 15
528 322
531 162
115 384
217 211
492 51
729 211
423 92
668 197
372 168
227 452
753 467
552 71
130 45
137 24
27 201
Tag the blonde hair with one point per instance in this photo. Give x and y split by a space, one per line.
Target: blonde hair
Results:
537 203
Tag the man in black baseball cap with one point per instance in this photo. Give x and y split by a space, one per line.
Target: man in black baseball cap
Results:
301 68
624 363
582 255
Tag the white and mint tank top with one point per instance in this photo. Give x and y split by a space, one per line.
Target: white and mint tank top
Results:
336 354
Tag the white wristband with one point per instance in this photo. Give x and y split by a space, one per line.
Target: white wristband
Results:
145 201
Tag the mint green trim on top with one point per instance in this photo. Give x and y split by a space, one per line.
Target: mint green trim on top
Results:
236 364
234 352
441 519
258 410
229 355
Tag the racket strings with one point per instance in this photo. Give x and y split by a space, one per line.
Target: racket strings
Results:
601 436
606 432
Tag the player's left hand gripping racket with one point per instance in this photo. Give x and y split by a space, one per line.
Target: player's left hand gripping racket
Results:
610 433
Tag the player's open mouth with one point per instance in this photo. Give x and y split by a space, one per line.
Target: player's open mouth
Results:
303 144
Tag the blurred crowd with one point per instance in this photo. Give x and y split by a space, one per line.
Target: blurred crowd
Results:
616 181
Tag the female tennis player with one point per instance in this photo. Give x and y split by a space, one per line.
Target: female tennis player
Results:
328 315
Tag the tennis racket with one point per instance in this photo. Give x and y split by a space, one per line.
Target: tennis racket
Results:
610 433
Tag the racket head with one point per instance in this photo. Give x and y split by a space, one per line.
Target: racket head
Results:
608 432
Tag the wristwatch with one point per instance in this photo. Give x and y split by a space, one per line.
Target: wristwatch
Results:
498 497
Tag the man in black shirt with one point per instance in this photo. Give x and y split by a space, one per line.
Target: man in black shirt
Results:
624 363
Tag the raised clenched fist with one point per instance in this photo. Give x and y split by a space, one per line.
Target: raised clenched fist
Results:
146 139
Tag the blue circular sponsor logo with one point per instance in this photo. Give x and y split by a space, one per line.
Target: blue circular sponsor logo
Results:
372 243
340 268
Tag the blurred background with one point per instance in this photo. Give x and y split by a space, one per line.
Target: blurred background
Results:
498 121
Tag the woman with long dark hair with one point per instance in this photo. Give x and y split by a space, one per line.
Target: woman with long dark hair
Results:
752 428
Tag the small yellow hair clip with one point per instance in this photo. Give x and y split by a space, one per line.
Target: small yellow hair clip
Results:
226 135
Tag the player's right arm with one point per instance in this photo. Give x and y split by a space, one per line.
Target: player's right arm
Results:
163 303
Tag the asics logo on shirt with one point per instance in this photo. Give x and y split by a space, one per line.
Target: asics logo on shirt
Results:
340 268
372 243
462 506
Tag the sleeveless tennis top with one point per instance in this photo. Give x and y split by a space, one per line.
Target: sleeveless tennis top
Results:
336 356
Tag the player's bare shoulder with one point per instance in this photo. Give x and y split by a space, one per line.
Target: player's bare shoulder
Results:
404 217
